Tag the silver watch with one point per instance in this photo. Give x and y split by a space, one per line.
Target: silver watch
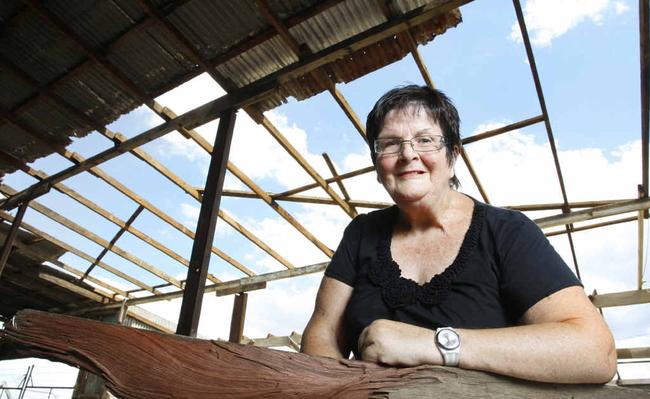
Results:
448 343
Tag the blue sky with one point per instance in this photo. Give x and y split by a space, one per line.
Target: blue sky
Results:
588 60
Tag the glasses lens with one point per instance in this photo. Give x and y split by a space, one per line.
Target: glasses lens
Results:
419 143
427 143
387 146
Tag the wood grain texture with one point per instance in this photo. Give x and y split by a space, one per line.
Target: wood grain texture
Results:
144 364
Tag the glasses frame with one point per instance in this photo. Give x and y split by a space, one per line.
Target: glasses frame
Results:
440 146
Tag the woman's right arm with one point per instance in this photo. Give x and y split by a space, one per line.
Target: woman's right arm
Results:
324 335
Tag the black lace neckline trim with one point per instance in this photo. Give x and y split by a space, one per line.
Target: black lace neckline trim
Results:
398 291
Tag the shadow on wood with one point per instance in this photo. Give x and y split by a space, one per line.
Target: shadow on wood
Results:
143 364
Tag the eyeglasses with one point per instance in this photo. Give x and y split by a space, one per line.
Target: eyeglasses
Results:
420 144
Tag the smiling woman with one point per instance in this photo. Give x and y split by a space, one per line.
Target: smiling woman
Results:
443 279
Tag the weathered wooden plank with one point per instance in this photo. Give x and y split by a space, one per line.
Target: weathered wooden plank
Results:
145 365
594 213
233 286
238 317
633 353
624 298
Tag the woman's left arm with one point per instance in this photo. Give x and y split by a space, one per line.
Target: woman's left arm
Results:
562 339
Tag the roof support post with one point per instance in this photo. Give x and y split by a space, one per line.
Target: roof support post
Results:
238 317
11 237
188 320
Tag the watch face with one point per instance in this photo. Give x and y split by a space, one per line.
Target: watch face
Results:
448 339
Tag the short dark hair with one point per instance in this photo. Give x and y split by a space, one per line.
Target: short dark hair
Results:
434 102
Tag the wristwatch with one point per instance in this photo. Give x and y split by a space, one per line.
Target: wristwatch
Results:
448 343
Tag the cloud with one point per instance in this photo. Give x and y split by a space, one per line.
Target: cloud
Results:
621 7
547 20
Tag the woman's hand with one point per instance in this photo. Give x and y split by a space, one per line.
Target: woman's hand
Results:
398 344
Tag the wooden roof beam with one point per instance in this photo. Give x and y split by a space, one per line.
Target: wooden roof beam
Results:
344 191
625 298
474 175
282 140
323 77
81 254
99 173
407 36
168 114
95 238
306 187
594 213
269 15
308 199
592 226
114 219
25 247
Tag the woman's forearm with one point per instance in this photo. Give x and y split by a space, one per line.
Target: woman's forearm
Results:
317 341
563 352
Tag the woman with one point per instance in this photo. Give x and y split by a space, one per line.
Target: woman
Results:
443 279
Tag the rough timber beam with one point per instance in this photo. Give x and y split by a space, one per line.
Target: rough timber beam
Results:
625 298
113 219
232 286
594 213
269 15
308 199
474 175
82 255
248 94
344 176
99 173
95 238
195 193
334 173
203 143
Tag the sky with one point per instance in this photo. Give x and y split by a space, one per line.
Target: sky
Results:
587 54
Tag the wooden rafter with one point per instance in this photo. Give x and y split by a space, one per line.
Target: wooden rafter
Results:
240 285
625 298
308 199
593 213
334 173
95 238
99 173
79 253
113 219
195 193
547 122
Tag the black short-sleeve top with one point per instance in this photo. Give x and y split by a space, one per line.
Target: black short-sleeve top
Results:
504 266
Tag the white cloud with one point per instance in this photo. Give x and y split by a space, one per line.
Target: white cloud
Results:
190 213
547 20
621 7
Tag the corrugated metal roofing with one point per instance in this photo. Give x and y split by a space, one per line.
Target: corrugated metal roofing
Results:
149 56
